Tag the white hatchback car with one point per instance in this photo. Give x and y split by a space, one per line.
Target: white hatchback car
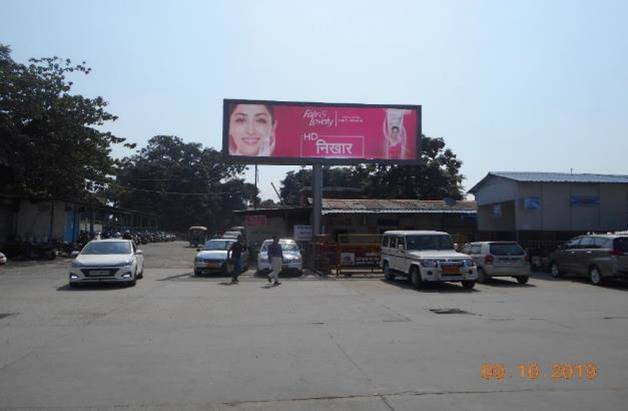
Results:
499 259
292 258
112 260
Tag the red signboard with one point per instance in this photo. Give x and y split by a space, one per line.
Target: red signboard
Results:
255 220
306 133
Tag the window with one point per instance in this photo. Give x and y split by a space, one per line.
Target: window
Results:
571 244
601 242
430 242
385 241
476 249
393 242
506 249
466 249
587 242
107 247
401 243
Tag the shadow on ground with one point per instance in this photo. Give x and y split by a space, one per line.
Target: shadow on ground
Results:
433 287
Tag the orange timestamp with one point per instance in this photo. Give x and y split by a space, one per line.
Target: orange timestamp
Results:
533 371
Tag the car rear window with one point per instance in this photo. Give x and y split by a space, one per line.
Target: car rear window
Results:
621 243
506 249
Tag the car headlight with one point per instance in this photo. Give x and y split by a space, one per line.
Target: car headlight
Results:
468 263
428 263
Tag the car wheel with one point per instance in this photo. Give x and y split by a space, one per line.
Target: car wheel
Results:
415 278
468 284
388 275
522 280
197 273
555 270
595 276
482 277
141 274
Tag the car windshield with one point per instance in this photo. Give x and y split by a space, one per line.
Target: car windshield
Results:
621 243
285 246
107 247
218 245
506 249
429 242
289 246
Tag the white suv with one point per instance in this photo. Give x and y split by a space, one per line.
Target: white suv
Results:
425 256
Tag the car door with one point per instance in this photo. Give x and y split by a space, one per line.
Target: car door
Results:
583 256
567 257
404 262
392 252
139 258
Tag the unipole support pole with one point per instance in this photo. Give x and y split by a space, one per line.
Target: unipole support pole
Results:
317 198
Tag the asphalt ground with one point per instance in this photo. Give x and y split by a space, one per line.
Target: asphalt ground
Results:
179 342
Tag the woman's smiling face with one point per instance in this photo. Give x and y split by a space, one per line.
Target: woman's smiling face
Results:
250 125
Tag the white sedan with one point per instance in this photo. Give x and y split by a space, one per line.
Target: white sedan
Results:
292 259
114 260
3 259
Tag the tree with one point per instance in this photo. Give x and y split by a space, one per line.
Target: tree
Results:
437 177
49 138
184 183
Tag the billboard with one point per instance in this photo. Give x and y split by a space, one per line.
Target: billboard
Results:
281 132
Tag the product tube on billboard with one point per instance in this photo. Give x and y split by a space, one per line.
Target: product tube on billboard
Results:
274 132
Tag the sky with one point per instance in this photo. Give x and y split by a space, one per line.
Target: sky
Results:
510 85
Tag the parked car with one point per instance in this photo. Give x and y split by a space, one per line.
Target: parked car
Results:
113 260
213 257
499 259
3 259
425 256
596 256
292 258
231 234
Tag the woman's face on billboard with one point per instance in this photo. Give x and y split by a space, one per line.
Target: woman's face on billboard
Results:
251 126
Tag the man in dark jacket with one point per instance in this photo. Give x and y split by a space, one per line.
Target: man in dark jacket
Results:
234 254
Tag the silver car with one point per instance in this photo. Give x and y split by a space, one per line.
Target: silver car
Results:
213 257
499 259
596 256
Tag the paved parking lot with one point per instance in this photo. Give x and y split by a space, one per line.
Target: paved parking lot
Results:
177 342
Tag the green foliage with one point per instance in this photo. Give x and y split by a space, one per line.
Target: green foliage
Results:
436 178
50 139
183 183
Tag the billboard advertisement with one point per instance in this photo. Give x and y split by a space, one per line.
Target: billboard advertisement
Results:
276 132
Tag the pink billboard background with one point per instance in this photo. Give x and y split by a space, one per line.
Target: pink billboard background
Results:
321 132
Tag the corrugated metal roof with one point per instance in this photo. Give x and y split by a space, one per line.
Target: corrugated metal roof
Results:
385 206
539 177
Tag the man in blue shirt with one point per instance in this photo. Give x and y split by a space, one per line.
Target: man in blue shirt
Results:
275 257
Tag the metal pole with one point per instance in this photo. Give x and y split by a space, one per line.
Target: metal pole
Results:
317 197
256 191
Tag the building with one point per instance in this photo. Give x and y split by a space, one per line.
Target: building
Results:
61 220
549 206
364 216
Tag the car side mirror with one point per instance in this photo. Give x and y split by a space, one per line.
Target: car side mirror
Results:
74 254
198 249
139 252
401 247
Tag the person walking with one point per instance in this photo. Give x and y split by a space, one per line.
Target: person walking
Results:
233 254
275 257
